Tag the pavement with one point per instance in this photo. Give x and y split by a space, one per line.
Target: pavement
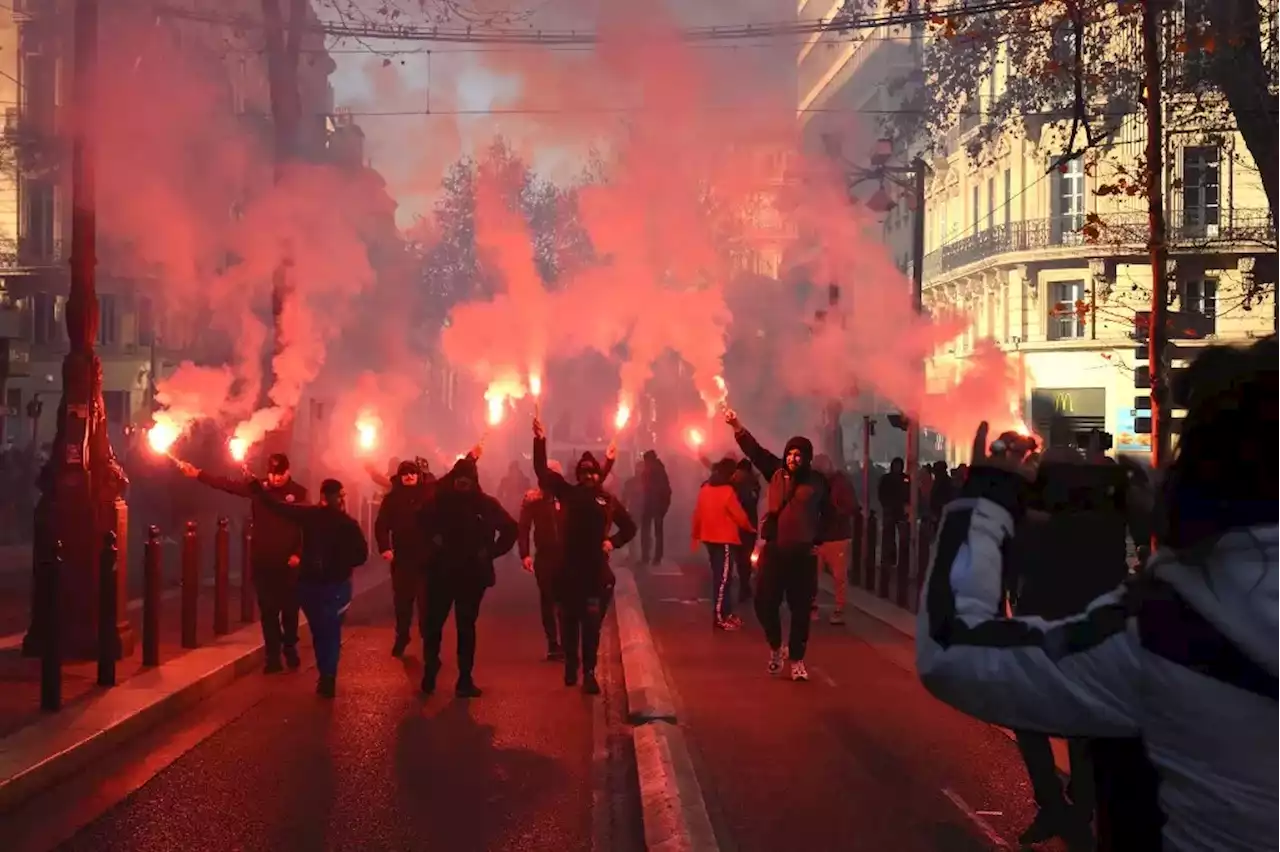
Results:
265 764
859 757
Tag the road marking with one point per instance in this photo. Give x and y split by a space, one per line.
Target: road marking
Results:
978 822
823 676
689 601
666 569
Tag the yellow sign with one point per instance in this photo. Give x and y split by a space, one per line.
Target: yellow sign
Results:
1063 404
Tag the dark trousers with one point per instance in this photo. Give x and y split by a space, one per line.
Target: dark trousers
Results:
547 604
893 534
277 588
1129 814
744 565
651 523
326 606
790 574
408 587
722 559
465 603
1037 754
580 622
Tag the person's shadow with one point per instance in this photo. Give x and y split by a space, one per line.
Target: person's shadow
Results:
457 791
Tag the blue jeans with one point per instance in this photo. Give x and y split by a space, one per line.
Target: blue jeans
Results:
325 605
723 558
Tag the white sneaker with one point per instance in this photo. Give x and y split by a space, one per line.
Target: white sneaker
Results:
798 671
775 661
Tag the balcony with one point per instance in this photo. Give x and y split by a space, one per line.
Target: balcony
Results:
1126 230
39 251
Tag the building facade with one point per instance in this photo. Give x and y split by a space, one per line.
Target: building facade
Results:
35 211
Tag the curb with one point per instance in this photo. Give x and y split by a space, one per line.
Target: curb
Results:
672 806
648 696
82 732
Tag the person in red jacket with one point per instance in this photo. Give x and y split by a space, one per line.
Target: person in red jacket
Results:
719 522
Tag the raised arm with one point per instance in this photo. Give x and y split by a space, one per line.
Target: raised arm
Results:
238 487
548 479
610 458
379 478
295 512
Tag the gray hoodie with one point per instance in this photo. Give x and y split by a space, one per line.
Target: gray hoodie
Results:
1184 657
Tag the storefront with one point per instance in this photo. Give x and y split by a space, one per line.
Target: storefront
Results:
1061 416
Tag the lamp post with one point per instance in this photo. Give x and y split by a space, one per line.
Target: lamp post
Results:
910 179
82 484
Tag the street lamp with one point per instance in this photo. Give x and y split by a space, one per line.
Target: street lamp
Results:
83 484
911 179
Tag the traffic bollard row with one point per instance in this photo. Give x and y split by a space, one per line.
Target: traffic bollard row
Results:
246 573
222 578
190 585
152 575
108 637
50 591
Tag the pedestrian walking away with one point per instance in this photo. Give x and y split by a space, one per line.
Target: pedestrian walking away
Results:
402 544
275 553
541 524
719 523
798 497
656 493
333 546
584 586
465 530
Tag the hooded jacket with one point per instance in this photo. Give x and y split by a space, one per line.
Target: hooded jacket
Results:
465 531
275 537
396 527
589 515
542 525
333 545
795 504
656 485
1183 656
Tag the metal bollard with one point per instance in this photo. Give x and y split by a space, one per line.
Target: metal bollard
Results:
246 573
108 638
873 550
51 648
903 568
151 567
190 585
221 578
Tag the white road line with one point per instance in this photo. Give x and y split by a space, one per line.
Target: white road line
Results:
823 676
978 822
665 569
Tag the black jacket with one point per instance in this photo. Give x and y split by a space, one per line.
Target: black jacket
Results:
465 531
589 514
542 520
656 487
796 505
397 526
276 537
333 545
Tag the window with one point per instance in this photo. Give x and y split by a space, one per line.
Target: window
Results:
991 202
1068 202
38 239
108 320
1008 196
13 402
1197 51
46 319
1199 296
1065 322
1201 187
117 405
41 88
146 322
973 210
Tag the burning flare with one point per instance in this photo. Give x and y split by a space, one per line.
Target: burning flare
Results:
366 433
622 417
239 448
720 399
163 434
535 385
695 438
496 405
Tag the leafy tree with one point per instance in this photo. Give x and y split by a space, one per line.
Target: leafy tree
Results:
1076 68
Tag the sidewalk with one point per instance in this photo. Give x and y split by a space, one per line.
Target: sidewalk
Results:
39 749
867 615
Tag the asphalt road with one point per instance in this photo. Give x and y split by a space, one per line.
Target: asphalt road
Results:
270 766
858 758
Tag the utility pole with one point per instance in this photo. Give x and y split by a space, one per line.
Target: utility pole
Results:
913 425
82 484
1157 246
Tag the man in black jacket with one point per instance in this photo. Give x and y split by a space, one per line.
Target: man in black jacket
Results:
466 530
657 502
797 502
277 544
333 546
401 543
584 586
542 519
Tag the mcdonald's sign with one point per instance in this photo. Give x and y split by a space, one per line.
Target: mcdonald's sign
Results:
1050 403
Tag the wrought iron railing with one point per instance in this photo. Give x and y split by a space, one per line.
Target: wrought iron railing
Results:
1128 228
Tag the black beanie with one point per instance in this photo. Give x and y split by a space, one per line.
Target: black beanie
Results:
406 468
466 468
278 463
